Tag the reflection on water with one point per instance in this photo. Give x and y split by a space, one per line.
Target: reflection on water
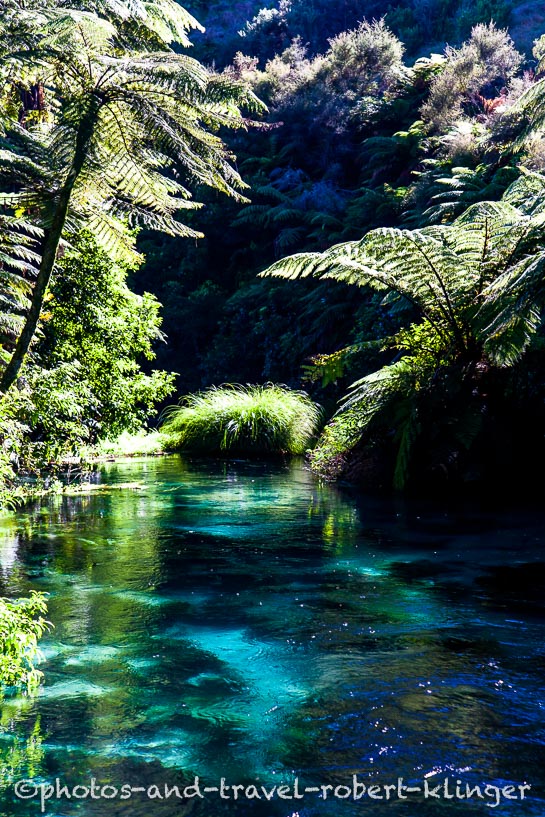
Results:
241 621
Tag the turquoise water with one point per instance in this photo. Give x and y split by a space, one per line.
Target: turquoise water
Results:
241 621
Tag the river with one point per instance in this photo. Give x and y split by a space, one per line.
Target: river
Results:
239 621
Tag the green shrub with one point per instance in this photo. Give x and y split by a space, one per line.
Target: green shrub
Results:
244 420
488 60
22 624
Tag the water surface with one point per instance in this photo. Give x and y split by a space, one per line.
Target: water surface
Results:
241 621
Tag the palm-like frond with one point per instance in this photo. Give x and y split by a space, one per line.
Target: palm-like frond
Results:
19 256
385 398
530 110
166 18
165 21
419 265
512 310
460 189
493 235
372 393
19 260
527 193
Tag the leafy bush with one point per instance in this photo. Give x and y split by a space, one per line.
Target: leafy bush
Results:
266 419
348 82
22 624
90 377
483 65
106 333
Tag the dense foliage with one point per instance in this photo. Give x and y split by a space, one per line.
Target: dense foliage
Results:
102 329
22 623
355 142
265 29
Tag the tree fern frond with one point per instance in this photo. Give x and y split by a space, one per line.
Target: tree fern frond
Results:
111 235
511 311
288 237
372 393
326 221
254 214
300 265
527 193
170 21
18 248
271 192
530 107
142 217
492 234
288 214
81 31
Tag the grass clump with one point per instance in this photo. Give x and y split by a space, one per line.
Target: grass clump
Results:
245 420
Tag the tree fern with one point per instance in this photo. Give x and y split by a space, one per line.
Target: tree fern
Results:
461 188
477 286
129 131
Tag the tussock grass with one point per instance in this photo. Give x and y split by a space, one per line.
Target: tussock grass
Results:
246 420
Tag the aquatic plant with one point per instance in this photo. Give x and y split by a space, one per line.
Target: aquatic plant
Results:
244 420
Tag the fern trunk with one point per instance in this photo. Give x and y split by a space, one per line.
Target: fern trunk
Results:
50 248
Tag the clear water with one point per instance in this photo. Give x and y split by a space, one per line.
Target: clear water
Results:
240 621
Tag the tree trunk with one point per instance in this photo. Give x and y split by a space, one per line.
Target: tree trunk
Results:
32 99
50 248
